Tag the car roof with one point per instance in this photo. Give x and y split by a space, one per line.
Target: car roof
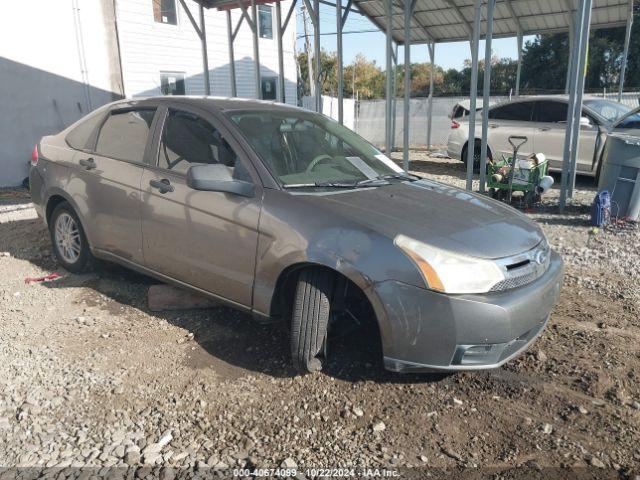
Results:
221 104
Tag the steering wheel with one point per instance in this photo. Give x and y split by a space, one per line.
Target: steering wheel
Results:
317 160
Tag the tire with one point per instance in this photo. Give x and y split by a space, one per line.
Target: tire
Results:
476 156
310 317
68 239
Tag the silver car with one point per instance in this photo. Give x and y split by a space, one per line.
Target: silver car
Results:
543 121
284 213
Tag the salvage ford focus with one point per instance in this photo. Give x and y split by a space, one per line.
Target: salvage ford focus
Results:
286 214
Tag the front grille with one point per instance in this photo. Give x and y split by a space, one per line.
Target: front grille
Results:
523 269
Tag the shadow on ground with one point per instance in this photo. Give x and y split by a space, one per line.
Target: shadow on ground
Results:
229 339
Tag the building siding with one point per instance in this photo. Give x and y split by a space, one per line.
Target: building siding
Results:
148 48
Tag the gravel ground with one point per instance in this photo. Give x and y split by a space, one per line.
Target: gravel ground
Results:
91 378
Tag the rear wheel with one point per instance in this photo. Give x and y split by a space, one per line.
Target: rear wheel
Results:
310 318
476 156
70 244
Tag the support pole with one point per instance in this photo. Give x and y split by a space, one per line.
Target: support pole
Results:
394 107
579 92
256 49
486 92
572 35
317 53
432 56
205 54
519 67
627 39
578 23
279 34
388 142
232 61
408 11
475 46
339 60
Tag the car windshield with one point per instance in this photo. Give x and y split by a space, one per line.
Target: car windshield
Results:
631 121
611 111
305 149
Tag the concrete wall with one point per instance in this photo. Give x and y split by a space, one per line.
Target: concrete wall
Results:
149 48
57 63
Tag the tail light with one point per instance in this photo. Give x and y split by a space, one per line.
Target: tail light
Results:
34 156
454 125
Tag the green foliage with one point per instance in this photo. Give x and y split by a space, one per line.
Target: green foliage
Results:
544 69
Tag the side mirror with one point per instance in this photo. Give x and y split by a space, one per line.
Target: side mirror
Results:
217 178
585 122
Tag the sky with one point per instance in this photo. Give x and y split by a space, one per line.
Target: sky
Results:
372 44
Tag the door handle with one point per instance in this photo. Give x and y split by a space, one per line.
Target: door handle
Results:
163 185
493 125
544 129
88 163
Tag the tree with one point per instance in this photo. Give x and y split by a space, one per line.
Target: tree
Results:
328 72
367 78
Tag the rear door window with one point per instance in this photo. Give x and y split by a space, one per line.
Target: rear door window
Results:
551 112
124 134
82 136
519 111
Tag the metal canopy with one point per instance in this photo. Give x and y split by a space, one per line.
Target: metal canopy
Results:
452 20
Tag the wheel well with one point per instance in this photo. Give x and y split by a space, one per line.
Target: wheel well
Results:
53 202
477 143
346 291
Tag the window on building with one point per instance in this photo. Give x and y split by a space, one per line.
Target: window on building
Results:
265 21
269 85
172 83
124 135
164 11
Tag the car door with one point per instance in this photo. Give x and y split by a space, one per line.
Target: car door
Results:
107 183
510 119
550 117
589 132
205 239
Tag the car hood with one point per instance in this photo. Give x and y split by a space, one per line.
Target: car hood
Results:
439 215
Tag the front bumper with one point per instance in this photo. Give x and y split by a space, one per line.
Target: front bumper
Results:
429 331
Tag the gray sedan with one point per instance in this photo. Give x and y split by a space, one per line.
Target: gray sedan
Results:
286 214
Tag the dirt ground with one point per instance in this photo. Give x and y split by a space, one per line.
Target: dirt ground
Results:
90 377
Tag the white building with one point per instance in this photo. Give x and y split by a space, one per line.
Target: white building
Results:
61 59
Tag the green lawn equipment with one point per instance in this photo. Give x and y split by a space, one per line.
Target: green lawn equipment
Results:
512 174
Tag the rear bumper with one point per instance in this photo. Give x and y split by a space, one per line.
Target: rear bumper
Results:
429 331
36 187
454 148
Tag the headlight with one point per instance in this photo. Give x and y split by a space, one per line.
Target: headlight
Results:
450 272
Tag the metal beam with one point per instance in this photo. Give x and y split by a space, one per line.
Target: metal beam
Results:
515 17
394 96
347 9
519 66
432 55
256 49
232 61
579 93
473 93
486 93
625 55
456 9
281 98
389 78
286 20
339 25
408 12
318 54
205 53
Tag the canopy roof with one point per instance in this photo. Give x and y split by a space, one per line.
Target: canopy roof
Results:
229 4
452 20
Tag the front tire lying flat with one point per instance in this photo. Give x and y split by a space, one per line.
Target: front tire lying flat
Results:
311 309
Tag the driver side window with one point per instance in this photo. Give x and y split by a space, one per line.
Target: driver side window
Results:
188 139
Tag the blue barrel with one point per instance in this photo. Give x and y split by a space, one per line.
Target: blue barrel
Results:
601 209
